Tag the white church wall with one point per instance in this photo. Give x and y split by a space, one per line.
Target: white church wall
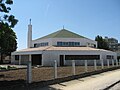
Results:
50 56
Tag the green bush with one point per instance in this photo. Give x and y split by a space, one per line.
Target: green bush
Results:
2 68
10 67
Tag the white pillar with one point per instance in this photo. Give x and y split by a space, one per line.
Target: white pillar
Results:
29 41
95 65
19 59
113 62
64 60
102 64
116 62
73 67
86 69
29 70
108 63
55 69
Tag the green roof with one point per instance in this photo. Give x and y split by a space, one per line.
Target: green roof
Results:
62 34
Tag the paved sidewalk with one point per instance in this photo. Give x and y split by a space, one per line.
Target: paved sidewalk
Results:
95 82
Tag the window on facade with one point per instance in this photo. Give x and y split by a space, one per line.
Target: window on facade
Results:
77 44
109 57
59 43
16 57
72 44
82 57
94 46
41 44
35 45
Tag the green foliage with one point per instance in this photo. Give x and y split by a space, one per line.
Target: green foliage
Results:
8 38
10 67
102 43
2 68
5 9
7 68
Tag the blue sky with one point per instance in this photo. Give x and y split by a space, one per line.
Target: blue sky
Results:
88 18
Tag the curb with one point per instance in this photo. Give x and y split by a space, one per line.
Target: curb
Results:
112 85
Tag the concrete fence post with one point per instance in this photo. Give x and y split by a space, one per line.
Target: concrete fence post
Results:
55 69
116 62
113 62
86 68
102 64
108 63
95 65
29 71
73 67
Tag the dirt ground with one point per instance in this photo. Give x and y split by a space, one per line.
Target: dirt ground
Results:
43 73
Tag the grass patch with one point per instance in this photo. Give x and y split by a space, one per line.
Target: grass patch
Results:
7 68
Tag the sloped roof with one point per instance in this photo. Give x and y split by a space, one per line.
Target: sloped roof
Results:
62 34
53 48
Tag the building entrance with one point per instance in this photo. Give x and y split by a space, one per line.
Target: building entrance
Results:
37 59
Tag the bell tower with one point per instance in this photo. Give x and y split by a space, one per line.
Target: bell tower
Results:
29 39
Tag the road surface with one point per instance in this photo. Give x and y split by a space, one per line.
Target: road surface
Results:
95 82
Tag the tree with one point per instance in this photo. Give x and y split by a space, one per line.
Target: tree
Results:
8 38
102 43
6 18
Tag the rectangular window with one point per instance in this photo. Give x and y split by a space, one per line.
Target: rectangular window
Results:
109 57
69 44
77 43
41 44
59 43
82 57
16 57
35 45
63 43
